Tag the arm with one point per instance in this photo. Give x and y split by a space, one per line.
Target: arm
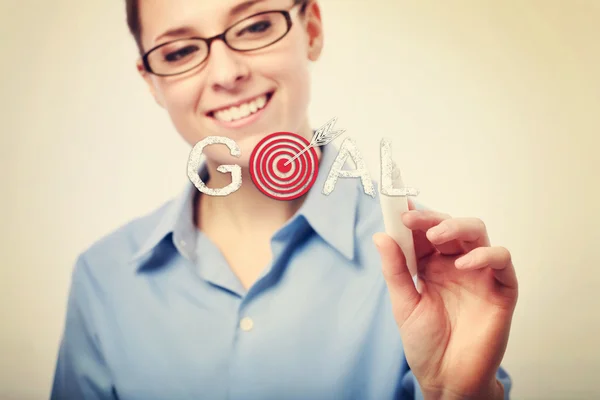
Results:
81 372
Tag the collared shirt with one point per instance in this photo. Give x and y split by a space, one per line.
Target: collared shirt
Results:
155 312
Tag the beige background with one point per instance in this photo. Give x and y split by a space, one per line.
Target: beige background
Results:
493 111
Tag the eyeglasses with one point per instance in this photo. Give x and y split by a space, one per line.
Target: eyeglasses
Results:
253 33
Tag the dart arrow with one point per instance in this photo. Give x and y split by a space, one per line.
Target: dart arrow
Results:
324 135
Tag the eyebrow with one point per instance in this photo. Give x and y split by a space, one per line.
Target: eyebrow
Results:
187 30
240 8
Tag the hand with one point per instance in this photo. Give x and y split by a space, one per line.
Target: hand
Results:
454 331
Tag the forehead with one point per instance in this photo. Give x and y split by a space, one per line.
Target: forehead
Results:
204 17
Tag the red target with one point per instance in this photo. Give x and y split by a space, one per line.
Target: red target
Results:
271 172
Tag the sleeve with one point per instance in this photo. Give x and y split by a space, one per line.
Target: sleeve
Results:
81 372
411 389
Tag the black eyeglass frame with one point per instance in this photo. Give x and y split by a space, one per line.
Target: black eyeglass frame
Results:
222 37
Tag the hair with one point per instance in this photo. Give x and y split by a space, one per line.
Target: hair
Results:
134 23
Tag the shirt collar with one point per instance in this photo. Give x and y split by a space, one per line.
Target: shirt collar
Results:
331 216
177 221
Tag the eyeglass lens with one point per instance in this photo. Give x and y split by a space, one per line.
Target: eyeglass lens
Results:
252 33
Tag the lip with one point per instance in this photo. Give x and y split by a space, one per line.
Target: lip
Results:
244 121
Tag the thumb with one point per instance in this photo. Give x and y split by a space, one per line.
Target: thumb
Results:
403 294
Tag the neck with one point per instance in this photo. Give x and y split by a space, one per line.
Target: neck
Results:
246 211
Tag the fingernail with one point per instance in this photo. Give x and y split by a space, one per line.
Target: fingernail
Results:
464 261
437 230
376 241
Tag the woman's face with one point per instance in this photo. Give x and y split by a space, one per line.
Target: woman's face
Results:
274 80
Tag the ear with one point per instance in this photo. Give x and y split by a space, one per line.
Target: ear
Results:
148 79
314 28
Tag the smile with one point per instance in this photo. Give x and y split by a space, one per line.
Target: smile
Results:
242 110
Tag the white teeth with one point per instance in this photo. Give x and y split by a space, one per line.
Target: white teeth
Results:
242 111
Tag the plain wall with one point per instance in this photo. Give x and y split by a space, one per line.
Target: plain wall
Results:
492 106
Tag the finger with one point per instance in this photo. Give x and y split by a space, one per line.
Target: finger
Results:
497 258
424 220
470 231
403 294
423 247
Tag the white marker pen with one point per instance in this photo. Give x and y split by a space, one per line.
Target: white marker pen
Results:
392 206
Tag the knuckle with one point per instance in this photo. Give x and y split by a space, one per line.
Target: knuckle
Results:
480 225
436 215
451 225
505 253
429 214
481 254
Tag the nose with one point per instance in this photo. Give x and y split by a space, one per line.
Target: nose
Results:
226 71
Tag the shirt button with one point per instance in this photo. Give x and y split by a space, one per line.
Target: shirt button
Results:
246 324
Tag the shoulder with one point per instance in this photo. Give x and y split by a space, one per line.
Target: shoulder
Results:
112 253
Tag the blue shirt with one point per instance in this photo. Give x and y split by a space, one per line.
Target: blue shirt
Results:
154 311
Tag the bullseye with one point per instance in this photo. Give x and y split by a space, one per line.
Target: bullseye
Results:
282 167
270 173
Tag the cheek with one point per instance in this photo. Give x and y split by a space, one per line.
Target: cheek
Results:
293 75
181 98
299 80
298 92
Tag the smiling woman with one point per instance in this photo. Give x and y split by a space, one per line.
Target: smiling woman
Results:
248 297
219 67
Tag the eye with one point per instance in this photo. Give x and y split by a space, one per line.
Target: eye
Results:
258 27
181 53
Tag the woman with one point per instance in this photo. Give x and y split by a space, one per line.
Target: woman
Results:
248 297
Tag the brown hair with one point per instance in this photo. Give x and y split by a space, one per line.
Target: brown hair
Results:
134 24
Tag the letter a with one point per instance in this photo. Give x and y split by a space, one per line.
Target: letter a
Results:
348 148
